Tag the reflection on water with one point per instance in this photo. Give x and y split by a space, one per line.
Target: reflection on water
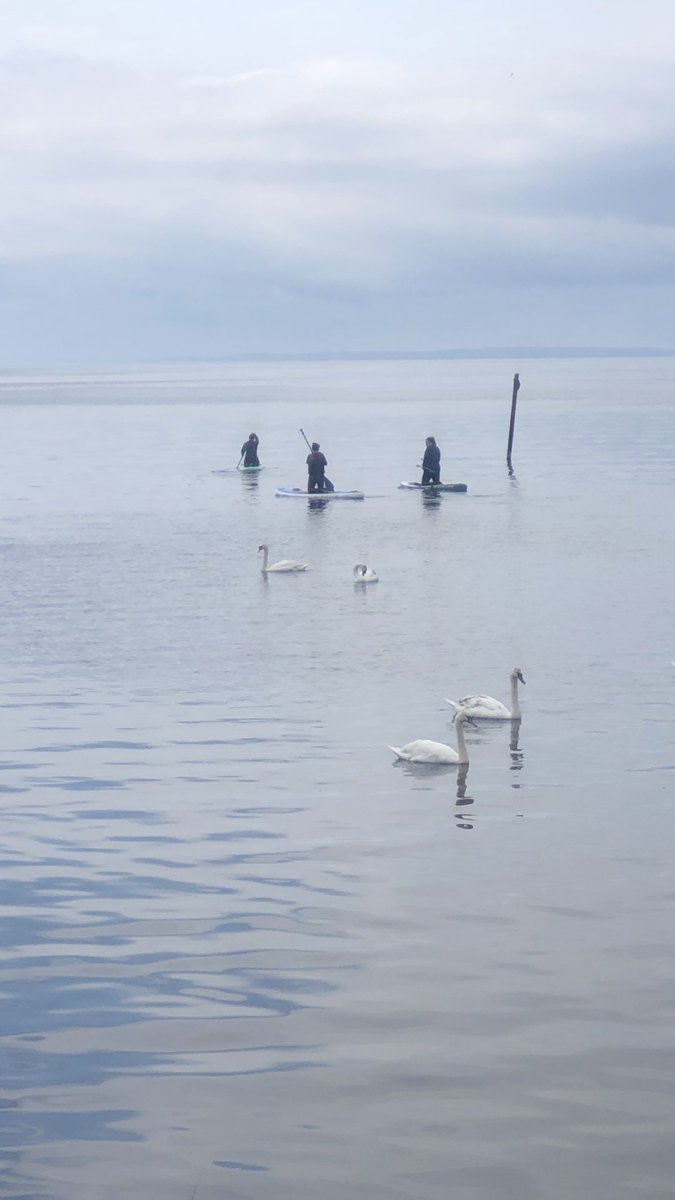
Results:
462 773
423 771
319 504
431 500
463 799
517 753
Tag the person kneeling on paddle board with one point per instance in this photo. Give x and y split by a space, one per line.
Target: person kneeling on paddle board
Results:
316 467
249 451
431 463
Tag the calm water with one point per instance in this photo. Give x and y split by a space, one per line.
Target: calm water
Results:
245 956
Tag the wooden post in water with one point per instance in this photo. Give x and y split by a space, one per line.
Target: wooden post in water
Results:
512 425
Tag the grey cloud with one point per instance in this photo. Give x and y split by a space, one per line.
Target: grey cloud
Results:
318 201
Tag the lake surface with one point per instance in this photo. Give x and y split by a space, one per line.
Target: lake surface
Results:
247 957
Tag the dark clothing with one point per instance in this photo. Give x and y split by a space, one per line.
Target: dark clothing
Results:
250 453
431 465
432 460
316 467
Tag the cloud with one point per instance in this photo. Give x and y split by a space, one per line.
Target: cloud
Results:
341 178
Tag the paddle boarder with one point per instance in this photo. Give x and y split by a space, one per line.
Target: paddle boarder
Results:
431 463
249 451
316 469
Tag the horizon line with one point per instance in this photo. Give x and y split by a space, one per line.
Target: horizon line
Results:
456 352
469 352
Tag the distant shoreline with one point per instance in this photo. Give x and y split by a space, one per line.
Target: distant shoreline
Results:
512 354
487 352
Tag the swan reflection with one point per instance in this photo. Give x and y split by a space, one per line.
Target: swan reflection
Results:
462 799
517 754
439 776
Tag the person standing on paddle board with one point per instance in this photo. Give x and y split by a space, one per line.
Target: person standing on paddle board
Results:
249 451
431 463
316 468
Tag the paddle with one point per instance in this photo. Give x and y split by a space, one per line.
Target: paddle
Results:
327 483
240 462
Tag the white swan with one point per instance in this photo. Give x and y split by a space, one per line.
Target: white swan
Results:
436 753
285 564
486 708
364 574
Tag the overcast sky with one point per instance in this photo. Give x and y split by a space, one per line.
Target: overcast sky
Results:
205 178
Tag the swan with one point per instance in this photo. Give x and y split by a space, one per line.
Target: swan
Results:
364 574
436 753
285 564
486 708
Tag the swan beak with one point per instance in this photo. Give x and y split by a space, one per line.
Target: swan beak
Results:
520 677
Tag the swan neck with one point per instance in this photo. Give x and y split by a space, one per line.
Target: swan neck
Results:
515 707
461 744
265 554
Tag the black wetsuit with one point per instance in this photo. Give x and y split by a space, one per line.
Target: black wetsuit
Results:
431 465
316 467
250 452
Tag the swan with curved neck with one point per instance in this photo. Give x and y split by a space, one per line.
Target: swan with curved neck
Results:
486 708
285 565
436 753
364 574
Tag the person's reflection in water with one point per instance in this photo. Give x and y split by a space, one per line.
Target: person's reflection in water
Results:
317 503
517 755
462 798
432 500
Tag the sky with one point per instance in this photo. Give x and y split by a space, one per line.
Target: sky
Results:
208 179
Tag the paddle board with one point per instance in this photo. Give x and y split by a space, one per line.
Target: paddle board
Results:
434 487
283 491
247 469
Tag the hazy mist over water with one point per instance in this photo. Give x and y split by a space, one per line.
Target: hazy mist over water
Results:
246 956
